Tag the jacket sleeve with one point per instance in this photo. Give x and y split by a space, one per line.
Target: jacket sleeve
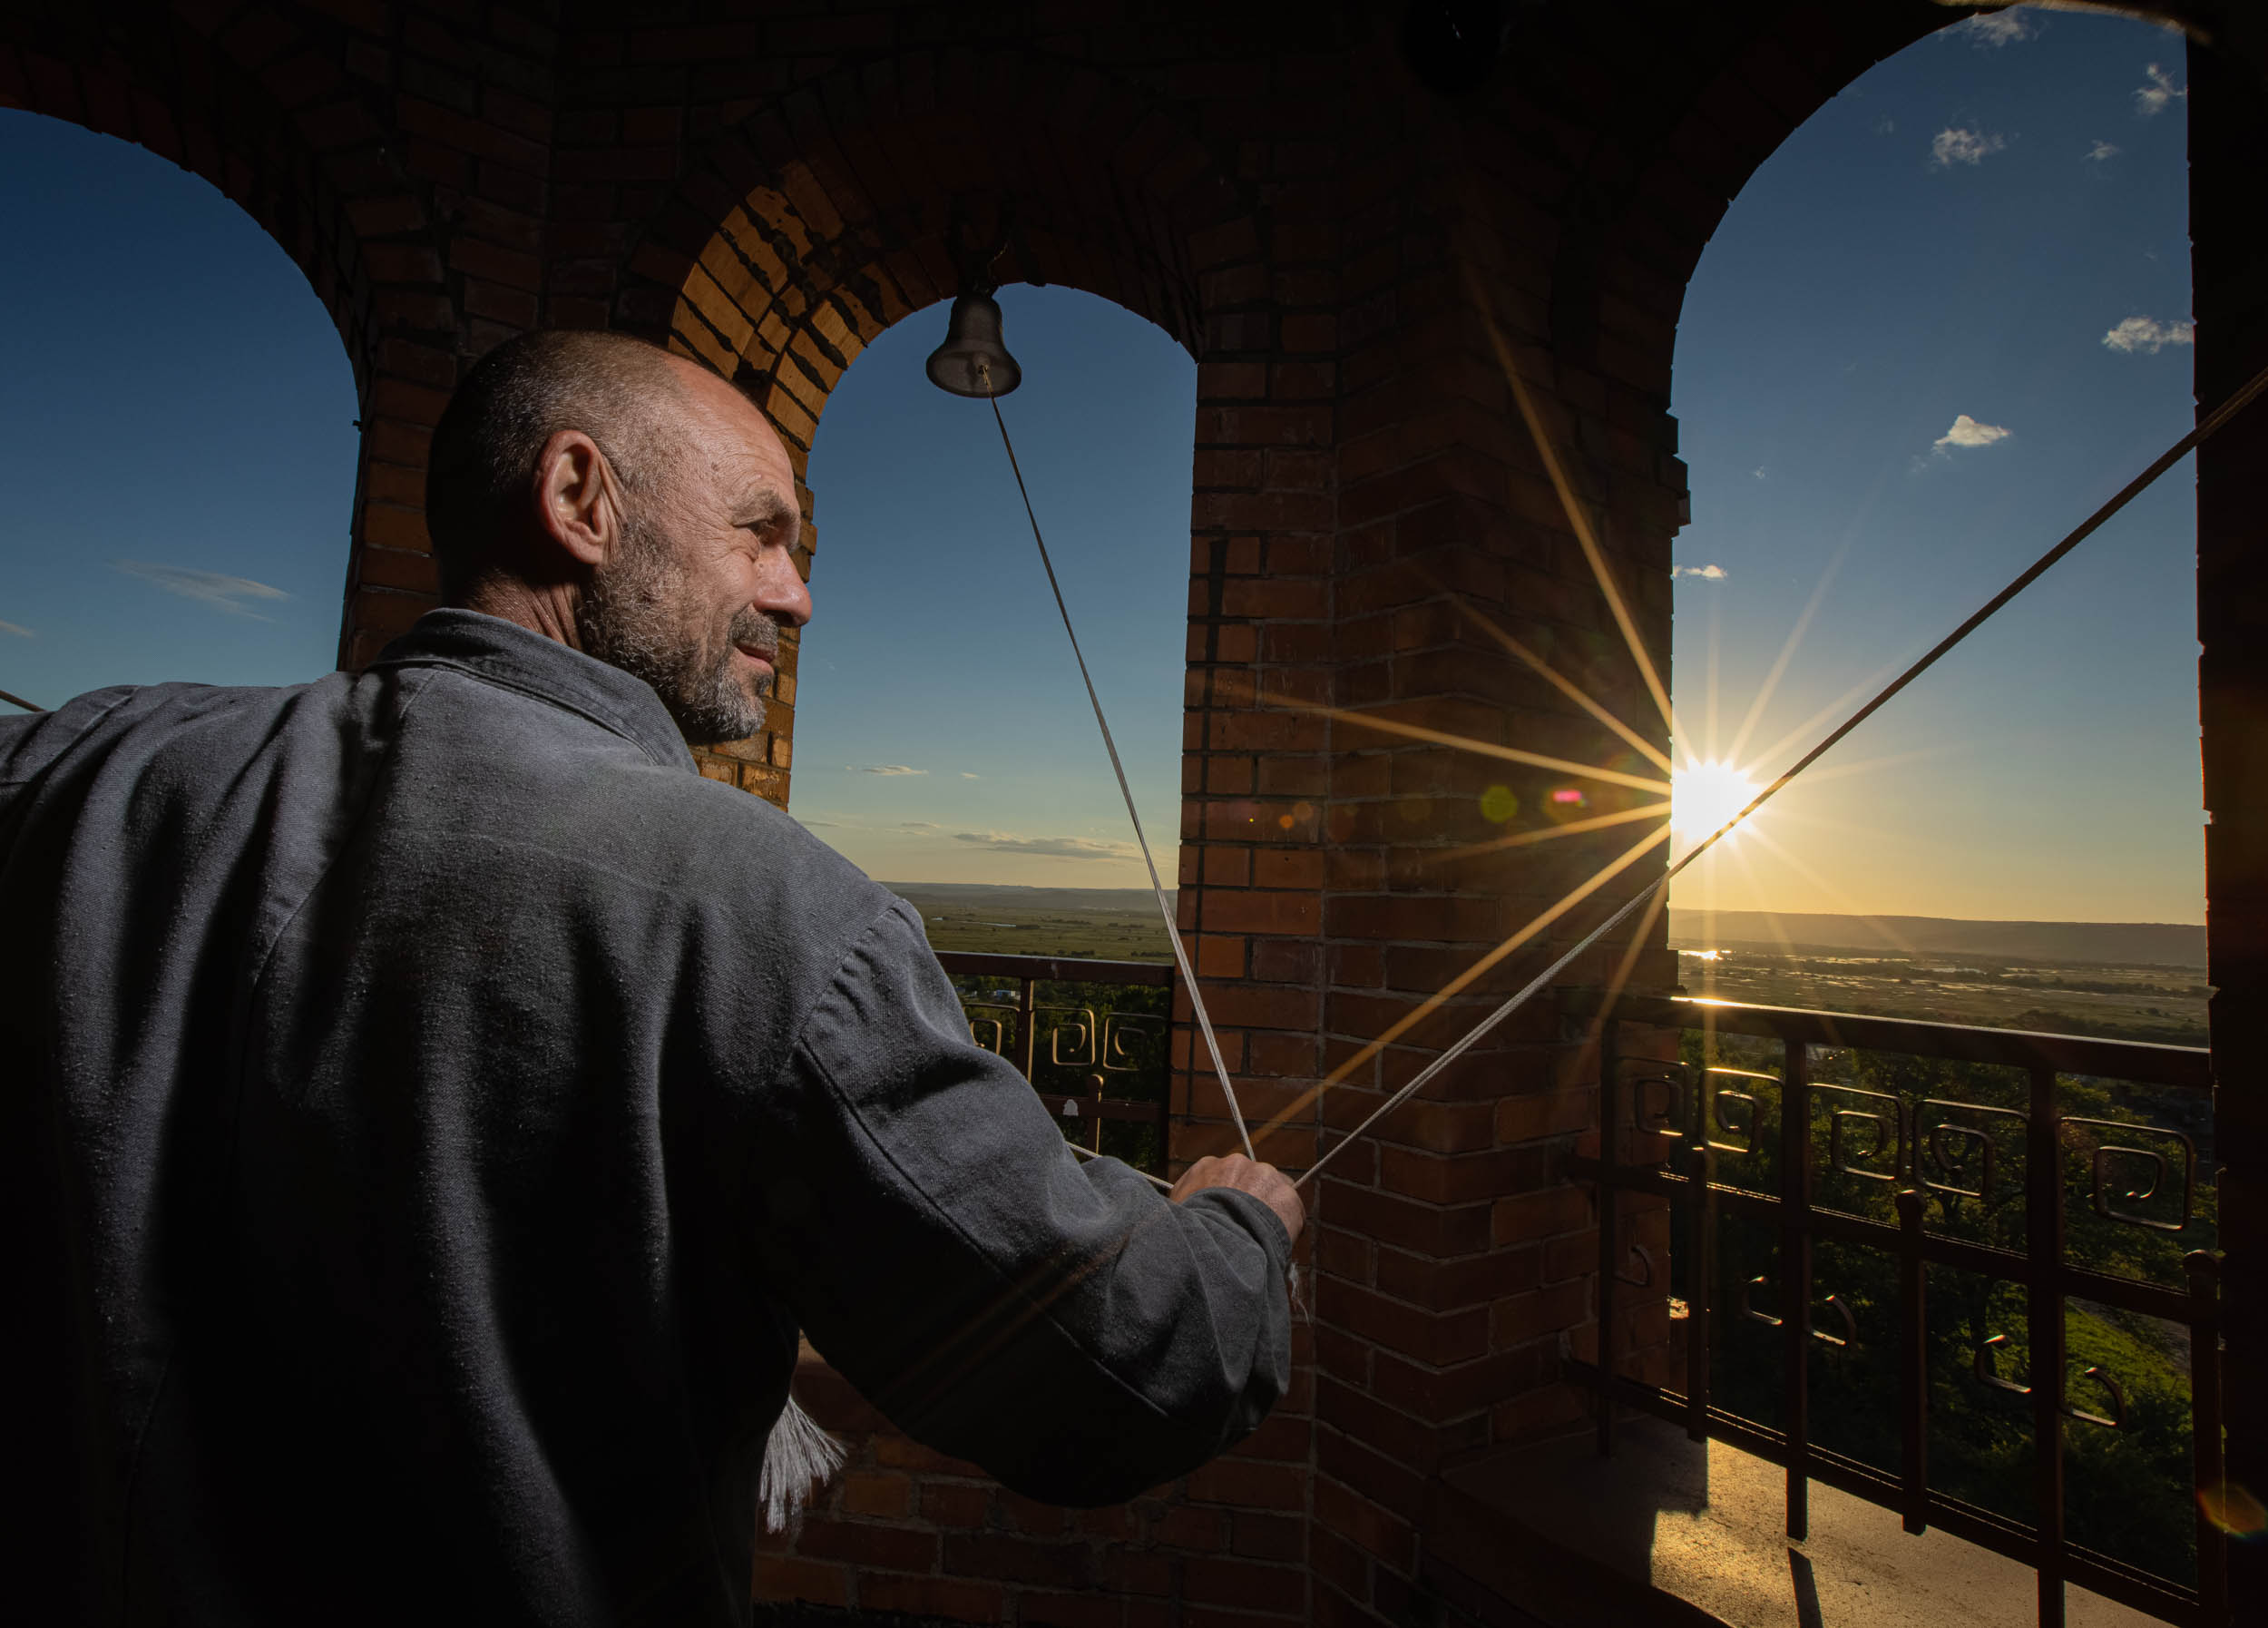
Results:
1061 1324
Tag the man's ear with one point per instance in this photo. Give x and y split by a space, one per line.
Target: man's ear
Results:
578 501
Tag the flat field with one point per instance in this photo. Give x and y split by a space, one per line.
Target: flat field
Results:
2008 987
2165 1005
1119 925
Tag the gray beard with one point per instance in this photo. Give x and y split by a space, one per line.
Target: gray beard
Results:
633 616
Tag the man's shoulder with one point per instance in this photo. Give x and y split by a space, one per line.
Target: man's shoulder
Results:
685 833
744 823
158 716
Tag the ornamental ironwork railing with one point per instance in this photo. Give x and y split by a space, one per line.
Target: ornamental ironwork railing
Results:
1091 1036
1967 1274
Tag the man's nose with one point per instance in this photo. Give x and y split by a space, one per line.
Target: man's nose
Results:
780 590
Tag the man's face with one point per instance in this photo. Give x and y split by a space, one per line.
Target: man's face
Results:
694 596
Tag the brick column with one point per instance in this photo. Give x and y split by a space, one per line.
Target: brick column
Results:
1256 784
451 229
2228 127
1455 1264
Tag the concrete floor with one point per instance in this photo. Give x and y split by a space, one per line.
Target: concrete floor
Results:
1706 1523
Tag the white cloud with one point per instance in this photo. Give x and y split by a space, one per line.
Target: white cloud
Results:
2152 98
2103 150
1968 432
967 775
1950 146
1711 574
1885 125
1990 29
882 769
1758 472
211 587
2146 333
21 633
1051 847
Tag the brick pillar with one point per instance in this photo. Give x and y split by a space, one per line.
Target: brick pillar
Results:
1256 783
2228 128
1454 1263
391 578
450 214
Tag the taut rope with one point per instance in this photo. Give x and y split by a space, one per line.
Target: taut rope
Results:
1156 888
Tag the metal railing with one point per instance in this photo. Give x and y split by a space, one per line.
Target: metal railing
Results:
1091 1036
1913 1188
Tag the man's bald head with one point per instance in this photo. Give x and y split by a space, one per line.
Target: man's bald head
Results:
626 395
629 504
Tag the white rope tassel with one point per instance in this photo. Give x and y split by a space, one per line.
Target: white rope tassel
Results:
1156 888
799 1460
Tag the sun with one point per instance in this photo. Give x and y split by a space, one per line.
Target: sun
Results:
1704 795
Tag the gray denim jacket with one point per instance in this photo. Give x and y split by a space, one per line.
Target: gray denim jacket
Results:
430 1110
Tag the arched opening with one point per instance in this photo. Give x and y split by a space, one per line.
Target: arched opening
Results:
1995 217
945 742
1947 317
944 736
181 449
807 235
801 239
380 199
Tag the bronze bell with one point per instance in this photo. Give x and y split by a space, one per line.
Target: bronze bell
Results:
972 361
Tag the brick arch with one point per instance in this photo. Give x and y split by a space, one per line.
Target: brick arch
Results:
805 231
198 99
287 111
830 212
1652 190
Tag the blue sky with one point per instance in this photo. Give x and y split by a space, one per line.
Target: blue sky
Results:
1935 258
176 420
937 646
1955 237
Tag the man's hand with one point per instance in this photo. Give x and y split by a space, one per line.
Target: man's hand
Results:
1263 1182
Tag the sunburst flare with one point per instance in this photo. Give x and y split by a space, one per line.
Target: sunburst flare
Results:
1705 793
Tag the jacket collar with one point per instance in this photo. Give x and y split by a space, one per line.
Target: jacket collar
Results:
504 653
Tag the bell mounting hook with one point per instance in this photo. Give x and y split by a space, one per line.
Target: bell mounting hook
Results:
974 360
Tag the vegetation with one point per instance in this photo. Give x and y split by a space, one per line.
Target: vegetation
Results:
2156 1004
1006 927
2128 1491
1088 1038
2165 1006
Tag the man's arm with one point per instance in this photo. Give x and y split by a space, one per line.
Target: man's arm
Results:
1063 1326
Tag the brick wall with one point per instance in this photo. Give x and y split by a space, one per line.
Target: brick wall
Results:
1362 264
2228 126
904 1529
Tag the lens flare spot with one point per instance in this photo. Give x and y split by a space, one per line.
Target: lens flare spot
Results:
1704 795
1499 804
2234 1511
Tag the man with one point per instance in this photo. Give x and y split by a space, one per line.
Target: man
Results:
433 1108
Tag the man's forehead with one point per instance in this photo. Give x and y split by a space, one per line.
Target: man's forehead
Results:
750 447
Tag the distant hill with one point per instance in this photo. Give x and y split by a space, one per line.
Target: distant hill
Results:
988 895
2117 942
